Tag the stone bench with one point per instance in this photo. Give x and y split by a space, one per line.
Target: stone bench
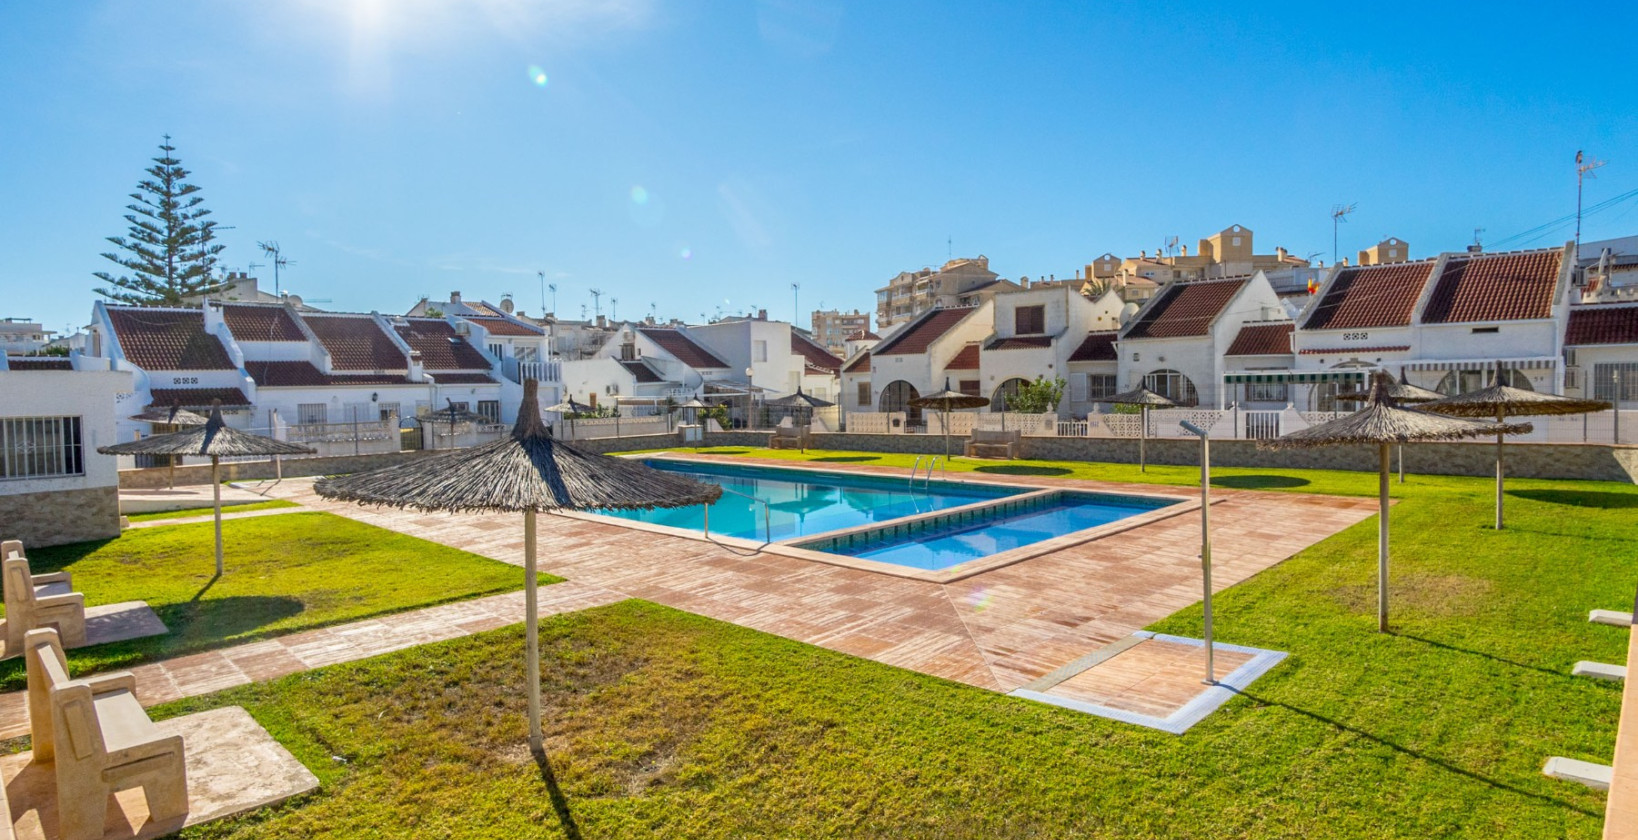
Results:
101 741
993 443
37 601
790 437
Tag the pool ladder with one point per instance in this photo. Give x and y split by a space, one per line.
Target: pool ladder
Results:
767 527
937 463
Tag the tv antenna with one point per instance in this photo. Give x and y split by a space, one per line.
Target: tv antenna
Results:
542 276
582 312
553 288
1584 167
271 249
653 311
1478 232
614 308
1171 246
1339 214
597 302
796 303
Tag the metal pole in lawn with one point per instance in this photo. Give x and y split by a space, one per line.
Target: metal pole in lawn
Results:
1205 539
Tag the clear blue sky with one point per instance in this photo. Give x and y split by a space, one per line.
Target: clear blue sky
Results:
404 147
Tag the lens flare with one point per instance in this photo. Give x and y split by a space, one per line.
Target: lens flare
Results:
686 253
639 195
978 599
537 75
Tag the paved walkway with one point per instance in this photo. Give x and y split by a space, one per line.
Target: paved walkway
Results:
998 630
202 673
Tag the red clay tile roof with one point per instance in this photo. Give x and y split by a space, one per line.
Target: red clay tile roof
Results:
168 339
814 355
1495 287
439 345
1032 342
1595 324
505 326
462 378
261 323
683 347
1185 309
305 375
864 335
356 343
39 363
1096 347
967 359
1353 351
641 371
921 333
1371 296
198 397
1263 340
860 364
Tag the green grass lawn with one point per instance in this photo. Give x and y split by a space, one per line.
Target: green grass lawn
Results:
283 573
662 724
227 507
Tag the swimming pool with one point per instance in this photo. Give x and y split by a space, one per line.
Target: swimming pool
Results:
939 542
802 503
946 528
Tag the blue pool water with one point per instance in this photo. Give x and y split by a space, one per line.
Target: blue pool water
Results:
942 542
803 503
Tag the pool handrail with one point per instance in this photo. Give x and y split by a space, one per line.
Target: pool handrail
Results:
767 527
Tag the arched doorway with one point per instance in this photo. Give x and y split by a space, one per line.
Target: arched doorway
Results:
1002 398
1475 379
1173 386
897 396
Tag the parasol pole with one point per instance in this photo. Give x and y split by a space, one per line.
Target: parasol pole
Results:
1382 540
216 494
1143 437
1401 450
1205 539
531 631
1500 471
946 413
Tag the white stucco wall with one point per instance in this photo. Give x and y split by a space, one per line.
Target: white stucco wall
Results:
92 396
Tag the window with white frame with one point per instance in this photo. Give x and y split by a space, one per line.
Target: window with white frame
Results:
1268 392
40 447
490 409
387 409
308 414
1615 382
1102 386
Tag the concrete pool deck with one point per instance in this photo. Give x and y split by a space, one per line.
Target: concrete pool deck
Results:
999 629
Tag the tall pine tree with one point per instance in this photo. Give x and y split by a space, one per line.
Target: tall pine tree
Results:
170 250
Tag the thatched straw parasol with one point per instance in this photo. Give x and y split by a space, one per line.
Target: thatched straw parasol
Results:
1145 399
947 401
1504 401
215 439
1405 393
529 472
800 400
1383 423
175 416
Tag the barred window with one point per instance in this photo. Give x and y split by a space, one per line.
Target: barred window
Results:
40 447
1615 382
308 414
490 409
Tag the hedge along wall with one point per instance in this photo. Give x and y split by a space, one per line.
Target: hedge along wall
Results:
1599 462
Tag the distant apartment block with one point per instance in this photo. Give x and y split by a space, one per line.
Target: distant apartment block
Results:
20 337
832 327
959 282
1227 253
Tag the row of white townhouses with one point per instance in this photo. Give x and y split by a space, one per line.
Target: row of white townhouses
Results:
1444 322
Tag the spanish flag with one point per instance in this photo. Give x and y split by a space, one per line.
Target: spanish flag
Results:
1313 285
